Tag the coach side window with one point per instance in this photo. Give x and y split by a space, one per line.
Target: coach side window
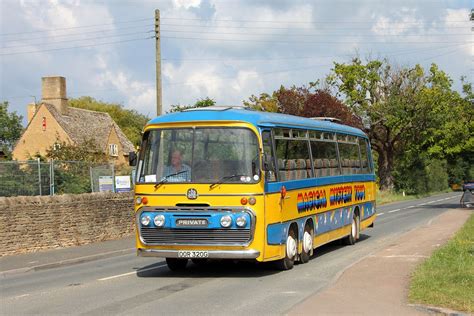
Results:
349 154
292 153
268 158
324 151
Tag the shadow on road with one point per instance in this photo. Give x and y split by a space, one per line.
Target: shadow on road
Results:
449 205
231 268
335 245
210 269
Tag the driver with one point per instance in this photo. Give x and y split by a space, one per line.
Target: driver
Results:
177 171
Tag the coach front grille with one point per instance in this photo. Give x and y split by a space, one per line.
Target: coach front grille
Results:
155 236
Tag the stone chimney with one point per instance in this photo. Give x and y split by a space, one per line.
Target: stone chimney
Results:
54 92
30 111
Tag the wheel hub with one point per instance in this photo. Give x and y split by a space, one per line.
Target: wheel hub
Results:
291 247
307 242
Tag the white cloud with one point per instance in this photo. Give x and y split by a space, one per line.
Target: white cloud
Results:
140 95
403 23
125 72
186 3
453 19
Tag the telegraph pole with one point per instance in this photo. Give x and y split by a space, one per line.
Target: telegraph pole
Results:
159 105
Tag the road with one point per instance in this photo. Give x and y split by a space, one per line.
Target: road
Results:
133 285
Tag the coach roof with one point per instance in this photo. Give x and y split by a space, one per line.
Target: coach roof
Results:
257 118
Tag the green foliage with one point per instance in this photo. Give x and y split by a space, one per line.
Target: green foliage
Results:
447 278
72 163
10 128
130 121
407 113
22 179
87 151
201 103
306 101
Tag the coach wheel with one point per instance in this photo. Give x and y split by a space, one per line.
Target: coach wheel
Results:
355 228
291 250
175 264
307 244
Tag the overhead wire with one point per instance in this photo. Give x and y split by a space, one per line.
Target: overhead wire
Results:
79 40
394 54
76 34
76 27
74 47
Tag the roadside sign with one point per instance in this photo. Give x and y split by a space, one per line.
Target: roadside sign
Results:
106 184
123 184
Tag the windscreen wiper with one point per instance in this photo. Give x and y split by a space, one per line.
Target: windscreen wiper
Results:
224 179
165 178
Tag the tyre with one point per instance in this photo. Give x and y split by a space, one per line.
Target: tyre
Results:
307 244
175 264
355 228
291 251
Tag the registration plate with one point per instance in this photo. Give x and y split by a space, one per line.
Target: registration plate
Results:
190 254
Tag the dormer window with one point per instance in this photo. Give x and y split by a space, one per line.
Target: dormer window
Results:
113 150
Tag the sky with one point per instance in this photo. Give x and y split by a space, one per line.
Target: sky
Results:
227 50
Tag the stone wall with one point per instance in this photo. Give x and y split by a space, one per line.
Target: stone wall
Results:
32 223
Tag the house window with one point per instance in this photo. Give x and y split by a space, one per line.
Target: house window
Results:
113 150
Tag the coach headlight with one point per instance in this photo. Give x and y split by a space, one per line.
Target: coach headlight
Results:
159 220
226 221
145 220
241 221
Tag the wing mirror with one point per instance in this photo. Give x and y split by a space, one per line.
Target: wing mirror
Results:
132 158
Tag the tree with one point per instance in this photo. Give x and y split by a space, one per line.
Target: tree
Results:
87 151
130 121
304 101
72 165
405 112
10 128
201 103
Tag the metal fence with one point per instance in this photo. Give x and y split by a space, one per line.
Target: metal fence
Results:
35 177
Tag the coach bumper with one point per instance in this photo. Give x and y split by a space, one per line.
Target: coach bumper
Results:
213 254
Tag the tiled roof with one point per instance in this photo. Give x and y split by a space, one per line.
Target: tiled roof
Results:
82 125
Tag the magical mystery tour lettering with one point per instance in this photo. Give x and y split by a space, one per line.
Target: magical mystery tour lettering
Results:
359 192
340 195
311 200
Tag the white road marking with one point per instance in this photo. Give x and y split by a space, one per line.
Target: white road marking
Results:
421 204
401 256
130 273
430 202
439 200
380 214
21 296
393 211
410 206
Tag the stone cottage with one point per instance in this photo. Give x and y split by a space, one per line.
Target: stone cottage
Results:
53 119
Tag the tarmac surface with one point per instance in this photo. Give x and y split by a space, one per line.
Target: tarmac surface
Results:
107 277
380 281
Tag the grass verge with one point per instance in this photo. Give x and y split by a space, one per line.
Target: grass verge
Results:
446 279
384 197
